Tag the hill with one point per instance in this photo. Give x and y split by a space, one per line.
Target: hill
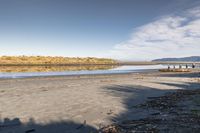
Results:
48 60
184 59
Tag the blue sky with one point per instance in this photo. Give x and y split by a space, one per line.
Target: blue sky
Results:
120 29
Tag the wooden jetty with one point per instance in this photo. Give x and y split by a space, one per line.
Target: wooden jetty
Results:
180 68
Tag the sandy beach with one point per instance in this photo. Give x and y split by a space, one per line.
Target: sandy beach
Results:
82 104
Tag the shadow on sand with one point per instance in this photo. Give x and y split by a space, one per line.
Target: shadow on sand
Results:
16 126
186 75
133 95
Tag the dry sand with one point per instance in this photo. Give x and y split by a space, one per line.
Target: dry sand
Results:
78 104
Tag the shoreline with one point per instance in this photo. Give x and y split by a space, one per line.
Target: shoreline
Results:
86 75
103 75
139 72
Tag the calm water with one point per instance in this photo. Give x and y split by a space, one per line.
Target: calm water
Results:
33 71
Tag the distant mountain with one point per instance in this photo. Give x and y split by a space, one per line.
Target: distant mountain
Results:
184 59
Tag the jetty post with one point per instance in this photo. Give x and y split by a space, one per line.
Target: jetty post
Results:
168 66
193 65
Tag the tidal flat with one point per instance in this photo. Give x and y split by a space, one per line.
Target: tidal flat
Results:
83 104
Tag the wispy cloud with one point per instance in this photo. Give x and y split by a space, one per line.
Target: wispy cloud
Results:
175 35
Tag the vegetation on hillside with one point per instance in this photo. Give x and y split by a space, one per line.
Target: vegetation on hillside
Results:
47 60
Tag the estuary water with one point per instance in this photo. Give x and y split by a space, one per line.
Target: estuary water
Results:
37 71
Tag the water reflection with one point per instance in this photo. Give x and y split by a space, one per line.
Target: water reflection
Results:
36 71
14 69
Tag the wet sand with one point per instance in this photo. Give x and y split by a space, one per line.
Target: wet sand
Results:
81 103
